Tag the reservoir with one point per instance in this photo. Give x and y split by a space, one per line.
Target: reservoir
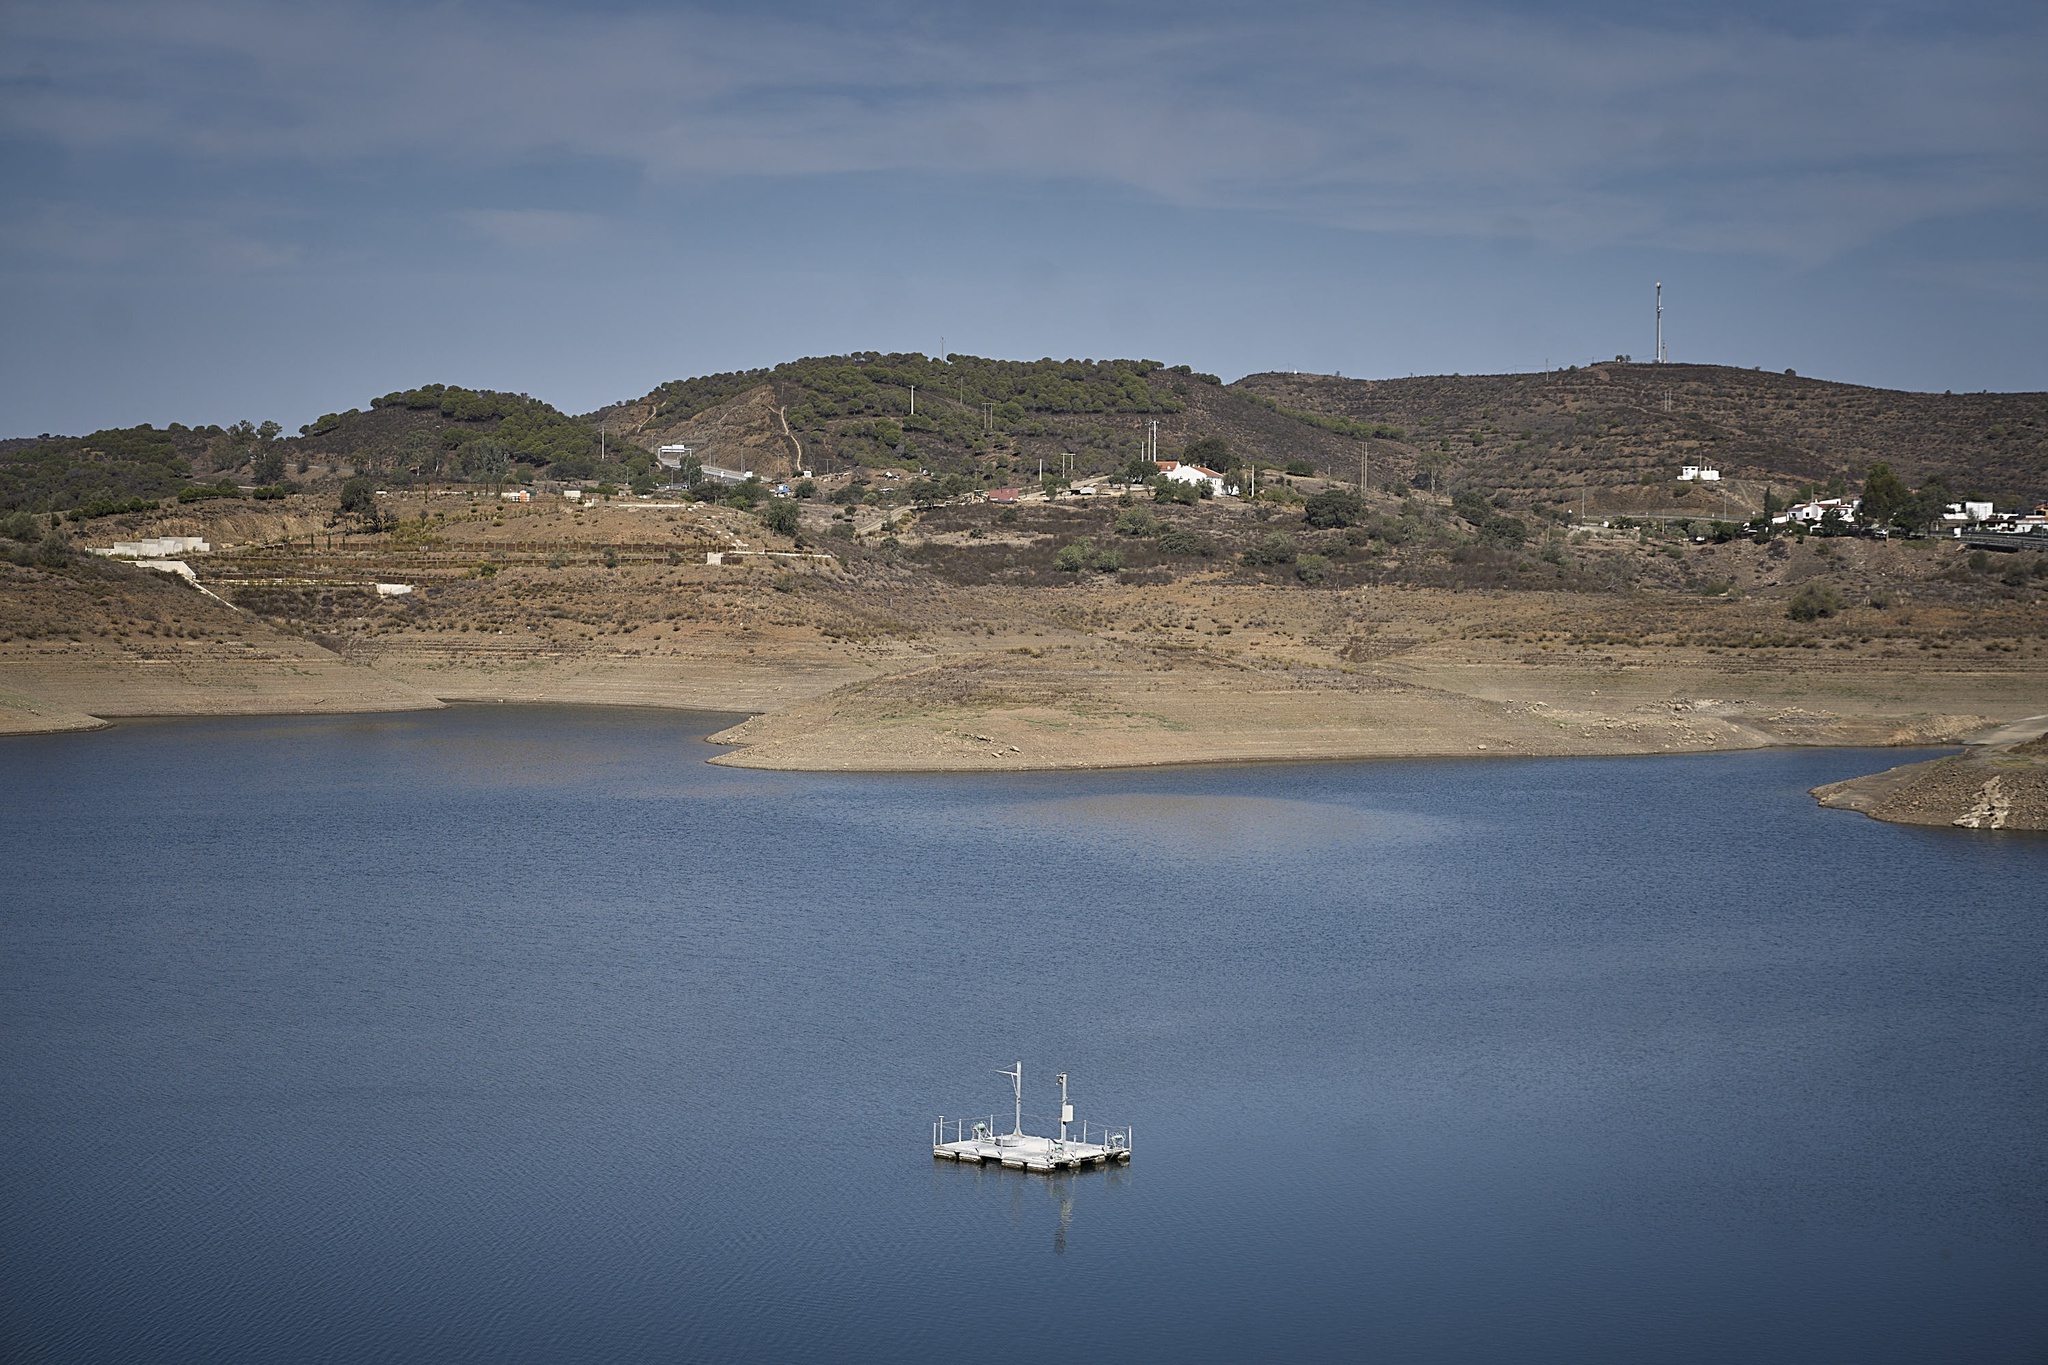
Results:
522 1034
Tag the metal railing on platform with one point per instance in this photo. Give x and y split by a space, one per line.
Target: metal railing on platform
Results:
946 1132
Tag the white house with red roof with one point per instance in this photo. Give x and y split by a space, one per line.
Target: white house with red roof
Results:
1191 473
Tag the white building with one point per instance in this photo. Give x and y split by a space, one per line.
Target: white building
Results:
1191 473
1815 512
1694 473
672 456
163 547
1957 513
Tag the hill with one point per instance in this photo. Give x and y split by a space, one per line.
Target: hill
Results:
985 422
1542 436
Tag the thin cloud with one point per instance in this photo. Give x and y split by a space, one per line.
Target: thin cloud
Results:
1587 131
531 229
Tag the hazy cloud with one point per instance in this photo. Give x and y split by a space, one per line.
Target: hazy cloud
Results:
531 228
1582 129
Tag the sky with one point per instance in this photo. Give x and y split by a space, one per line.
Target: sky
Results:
218 209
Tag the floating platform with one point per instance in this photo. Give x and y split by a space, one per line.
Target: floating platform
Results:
1097 1145
1023 1152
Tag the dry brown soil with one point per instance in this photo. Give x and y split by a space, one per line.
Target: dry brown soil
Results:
878 662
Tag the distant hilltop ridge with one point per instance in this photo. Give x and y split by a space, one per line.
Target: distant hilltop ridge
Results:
1526 438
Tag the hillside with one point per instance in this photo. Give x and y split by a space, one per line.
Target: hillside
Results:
433 433
986 422
1544 436
1607 439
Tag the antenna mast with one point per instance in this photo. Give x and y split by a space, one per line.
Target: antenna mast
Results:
1660 322
1017 1084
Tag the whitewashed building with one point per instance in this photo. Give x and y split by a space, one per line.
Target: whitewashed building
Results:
1814 512
162 547
1191 473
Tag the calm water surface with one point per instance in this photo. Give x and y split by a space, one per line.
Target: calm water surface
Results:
520 1034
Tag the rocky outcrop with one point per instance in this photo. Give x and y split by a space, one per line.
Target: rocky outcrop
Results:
1999 785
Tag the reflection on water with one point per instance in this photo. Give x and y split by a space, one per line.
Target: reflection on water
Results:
523 1034
1034 1201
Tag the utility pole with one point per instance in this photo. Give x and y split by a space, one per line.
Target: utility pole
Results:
913 400
1660 322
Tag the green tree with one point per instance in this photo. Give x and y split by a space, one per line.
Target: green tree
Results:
1211 452
359 501
486 460
1333 507
781 517
1431 464
1505 530
1885 495
269 467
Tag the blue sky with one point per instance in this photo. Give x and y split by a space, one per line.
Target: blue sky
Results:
220 208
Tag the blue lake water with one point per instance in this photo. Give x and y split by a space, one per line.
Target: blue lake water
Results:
520 1034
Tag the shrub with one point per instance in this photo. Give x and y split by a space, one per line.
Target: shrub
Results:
1301 469
1333 507
1137 522
51 551
20 526
1184 542
1311 568
1109 559
1274 547
1075 557
805 488
781 518
1505 530
1166 490
1812 602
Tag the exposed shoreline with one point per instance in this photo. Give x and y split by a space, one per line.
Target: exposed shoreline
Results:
1090 705
903 675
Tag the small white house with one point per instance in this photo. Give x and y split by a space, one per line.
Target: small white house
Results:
1814 512
1695 473
671 457
517 495
1957 513
1191 473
